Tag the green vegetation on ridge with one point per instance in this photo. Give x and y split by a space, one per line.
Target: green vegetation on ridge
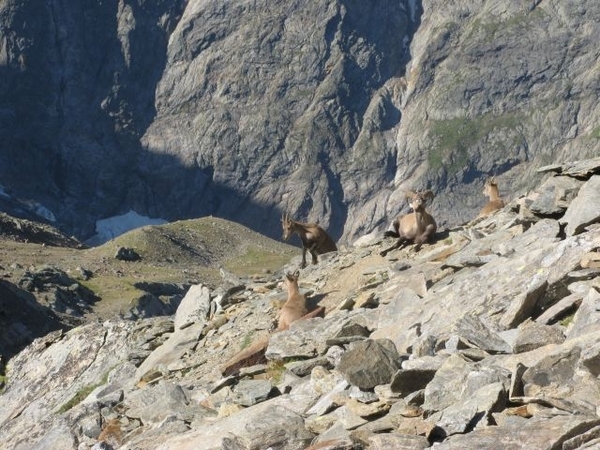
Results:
453 138
183 252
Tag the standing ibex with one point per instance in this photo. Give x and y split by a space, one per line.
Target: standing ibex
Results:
417 227
495 203
295 306
314 238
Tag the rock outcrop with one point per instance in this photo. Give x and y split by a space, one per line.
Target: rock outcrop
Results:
22 319
489 336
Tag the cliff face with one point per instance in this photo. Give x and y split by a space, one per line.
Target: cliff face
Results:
328 110
498 89
77 93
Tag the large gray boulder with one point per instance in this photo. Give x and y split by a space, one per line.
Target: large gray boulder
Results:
194 308
585 208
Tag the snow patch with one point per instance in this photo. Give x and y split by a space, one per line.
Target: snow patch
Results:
111 227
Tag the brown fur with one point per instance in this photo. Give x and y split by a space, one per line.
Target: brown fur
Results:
417 227
495 202
293 309
111 433
314 238
250 356
295 306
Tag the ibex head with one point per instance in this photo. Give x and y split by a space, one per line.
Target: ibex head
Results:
417 200
287 225
490 185
292 277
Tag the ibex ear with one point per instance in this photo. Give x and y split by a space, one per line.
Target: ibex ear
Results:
297 273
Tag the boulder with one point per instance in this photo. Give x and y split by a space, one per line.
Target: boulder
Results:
585 208
194 308
555 196
369 363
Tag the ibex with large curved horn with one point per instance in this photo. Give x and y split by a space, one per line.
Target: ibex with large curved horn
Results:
314 238
417 227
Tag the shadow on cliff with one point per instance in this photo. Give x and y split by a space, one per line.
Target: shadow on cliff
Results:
173 181
122 66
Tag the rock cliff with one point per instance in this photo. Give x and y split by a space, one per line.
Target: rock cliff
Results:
328 110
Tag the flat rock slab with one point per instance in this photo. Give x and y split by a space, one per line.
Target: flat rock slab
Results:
194 307
579 169
584 209
563 307
460 417
397 441
369 363
259 427
543 432
555 195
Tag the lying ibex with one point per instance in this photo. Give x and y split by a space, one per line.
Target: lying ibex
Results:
495 203
314 238
293 309
416 227
295 306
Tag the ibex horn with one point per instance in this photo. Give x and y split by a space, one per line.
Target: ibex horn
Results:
429 194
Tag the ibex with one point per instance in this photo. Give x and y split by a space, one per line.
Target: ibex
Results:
417 227
295 306
495 203
293 309
314 238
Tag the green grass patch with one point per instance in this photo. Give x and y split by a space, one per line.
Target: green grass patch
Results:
83 393
489 29
566 321
247 340
595 134
204 243
113 289
187 251
453 138
77 398
257 259
275 370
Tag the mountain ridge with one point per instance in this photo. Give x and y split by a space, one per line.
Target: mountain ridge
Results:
329 112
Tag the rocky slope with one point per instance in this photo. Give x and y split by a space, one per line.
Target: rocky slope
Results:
50 281
328 110
489 337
